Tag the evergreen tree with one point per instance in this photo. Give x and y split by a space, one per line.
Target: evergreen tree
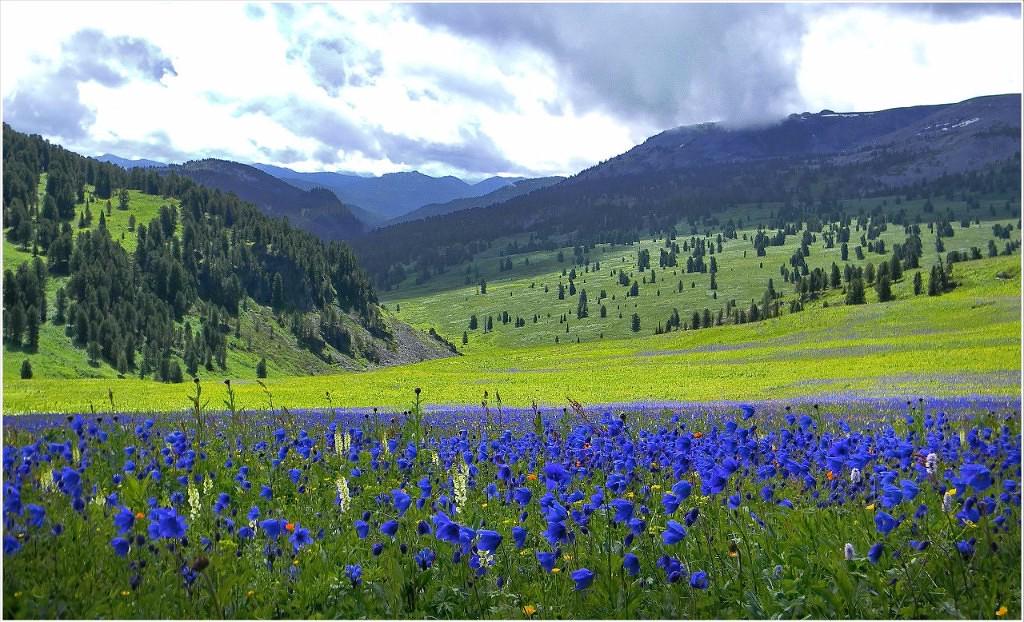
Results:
884 289
917 283
581 306
561 292
261 368
855 292
26 370
635 323
483 286
465 337
122 199
472 322
604 311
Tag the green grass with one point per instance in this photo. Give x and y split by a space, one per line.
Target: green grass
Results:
445 303
964 342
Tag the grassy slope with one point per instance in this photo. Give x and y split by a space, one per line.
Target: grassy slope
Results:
58 358
965 342
446 303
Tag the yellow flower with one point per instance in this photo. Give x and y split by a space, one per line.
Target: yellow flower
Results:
568 558
483 505
655 487
556 570
870 507
251 593
125 593
1002 611
951 492
630 495
529 610
296 562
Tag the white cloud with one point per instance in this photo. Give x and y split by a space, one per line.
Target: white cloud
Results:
369 87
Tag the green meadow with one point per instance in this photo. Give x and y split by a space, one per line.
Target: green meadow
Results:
965 342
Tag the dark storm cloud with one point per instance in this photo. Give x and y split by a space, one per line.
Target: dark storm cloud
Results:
49 102
952 12
664 64
325 125
476 152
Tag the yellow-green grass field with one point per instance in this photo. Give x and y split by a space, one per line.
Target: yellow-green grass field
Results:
966 342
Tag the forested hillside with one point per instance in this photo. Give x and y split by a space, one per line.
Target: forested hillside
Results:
808 164
178 281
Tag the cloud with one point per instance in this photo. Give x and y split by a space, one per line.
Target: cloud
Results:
49 102
325 125
660 64
476 152
334 63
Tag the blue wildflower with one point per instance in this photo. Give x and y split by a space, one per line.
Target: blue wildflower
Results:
583 578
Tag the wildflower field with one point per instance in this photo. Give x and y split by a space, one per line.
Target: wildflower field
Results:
841 509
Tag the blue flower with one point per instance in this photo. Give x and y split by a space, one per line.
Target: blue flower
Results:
166 523
699 580
681 490
389 528
546 560
966 548
401 500
909 489
875 552
377 549
362 528
266 492
254 513
300 537
556 475
354 572
919 545
488 540
734 502
583 578
246 533
272 527
748 411
670 502
885 523
294 475
623 510
425 559
522 496
36 515
674 532
631 563
976 476
124 520
519 536
11 544
121 546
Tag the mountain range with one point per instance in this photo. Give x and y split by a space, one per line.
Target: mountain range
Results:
806 162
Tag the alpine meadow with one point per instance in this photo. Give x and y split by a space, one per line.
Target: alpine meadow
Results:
511 311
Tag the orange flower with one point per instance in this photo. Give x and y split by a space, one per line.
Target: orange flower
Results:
830 476
578 464
532 477
139 516
289 526
529 610
698 435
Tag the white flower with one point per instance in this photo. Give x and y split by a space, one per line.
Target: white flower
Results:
193 500
931 461
855 476
848 552
460 481
344 498
947 501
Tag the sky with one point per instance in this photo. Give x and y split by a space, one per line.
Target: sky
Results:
471 90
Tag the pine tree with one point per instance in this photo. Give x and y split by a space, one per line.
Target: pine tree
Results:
884 289
635 323
465 337
581 307
917 283
122 199
472 322
261 368
855 292
26 370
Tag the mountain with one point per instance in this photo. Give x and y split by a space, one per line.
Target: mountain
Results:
130 164
807 162
391 194
317 211
503 193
